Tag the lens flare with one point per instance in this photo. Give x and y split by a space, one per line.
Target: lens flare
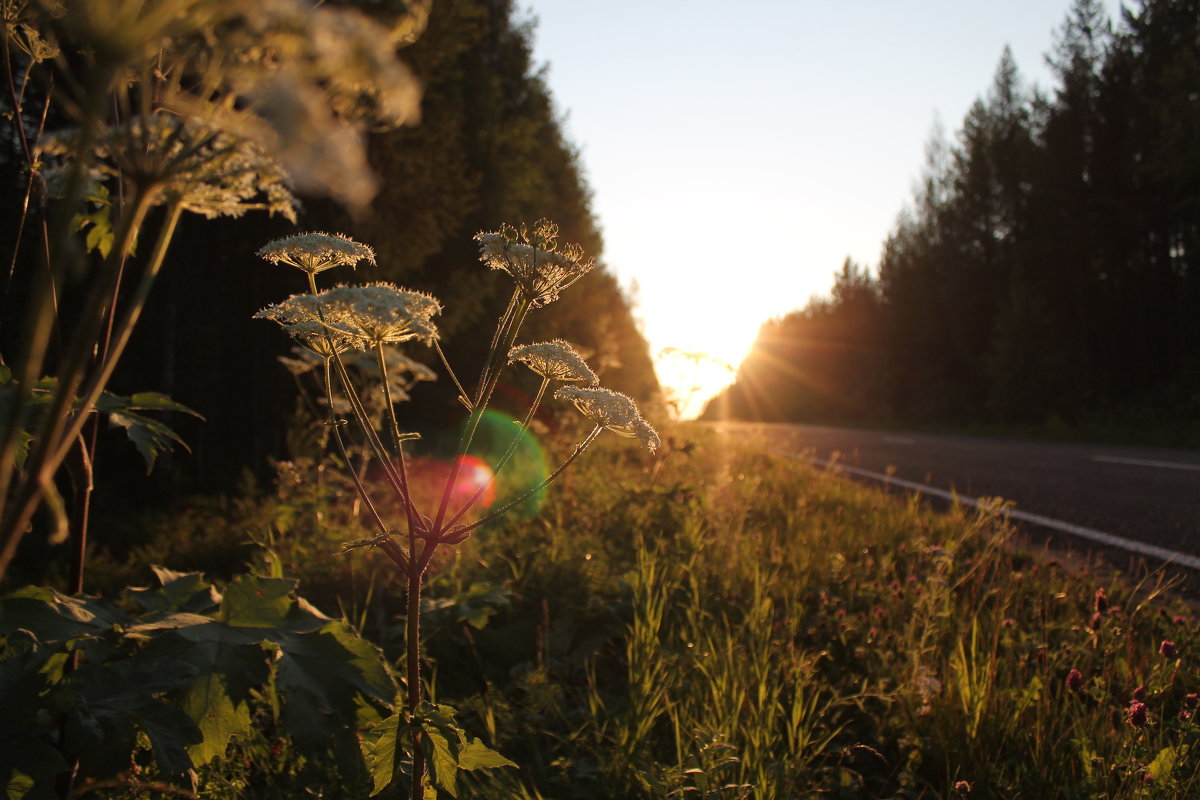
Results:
474 474
525 468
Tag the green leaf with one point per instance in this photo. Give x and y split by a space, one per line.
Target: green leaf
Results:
324 677
384 757
150 436
218 716
56 617
179 591
117 699
1164 763
156 401
442 759
253 602
477 755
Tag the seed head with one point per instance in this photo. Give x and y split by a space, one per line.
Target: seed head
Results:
532 257
612 411
555 360
317 252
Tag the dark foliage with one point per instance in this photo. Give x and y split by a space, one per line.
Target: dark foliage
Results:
489 149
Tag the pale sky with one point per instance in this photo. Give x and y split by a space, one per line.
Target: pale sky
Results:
739 152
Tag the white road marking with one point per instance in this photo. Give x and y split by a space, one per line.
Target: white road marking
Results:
1091 534
1139 462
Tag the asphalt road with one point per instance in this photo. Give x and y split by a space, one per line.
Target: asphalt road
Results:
1143 494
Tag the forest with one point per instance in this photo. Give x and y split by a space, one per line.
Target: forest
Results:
263 542
1046 273
489 148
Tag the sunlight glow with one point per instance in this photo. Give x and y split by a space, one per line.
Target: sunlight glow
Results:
690 377
474 474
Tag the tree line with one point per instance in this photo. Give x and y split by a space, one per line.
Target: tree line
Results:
1047 270
490 148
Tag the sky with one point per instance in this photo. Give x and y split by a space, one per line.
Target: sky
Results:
739 152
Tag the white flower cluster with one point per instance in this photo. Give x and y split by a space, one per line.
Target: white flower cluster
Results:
207 172
532 258
302 80
555 360
317 252
612 411
364 316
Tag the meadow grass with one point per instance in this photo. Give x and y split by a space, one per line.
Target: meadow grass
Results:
749 626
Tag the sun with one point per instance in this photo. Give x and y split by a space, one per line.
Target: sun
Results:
691 377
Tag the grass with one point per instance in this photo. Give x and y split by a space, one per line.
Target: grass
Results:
747 626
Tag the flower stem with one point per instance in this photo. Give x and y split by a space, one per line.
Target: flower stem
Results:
391 412
506 334
579 448
508 454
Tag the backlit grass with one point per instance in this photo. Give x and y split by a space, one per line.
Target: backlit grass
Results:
747 626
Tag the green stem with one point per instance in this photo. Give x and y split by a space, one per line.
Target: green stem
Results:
52 442
361 416
124 331
508 454
390 548
459 534
40 315
391 411
466 398
413 647
506 334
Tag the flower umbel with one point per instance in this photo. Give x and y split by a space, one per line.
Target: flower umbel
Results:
555 360
382 313
612 411
317 338
378 313
317 252
533 258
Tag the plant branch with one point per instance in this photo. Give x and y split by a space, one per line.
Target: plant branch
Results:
508 454
459 534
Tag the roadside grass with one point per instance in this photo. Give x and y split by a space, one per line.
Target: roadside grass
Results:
742 625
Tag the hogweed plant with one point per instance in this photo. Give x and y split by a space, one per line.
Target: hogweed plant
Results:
347 321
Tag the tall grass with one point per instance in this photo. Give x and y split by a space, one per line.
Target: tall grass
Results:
753 627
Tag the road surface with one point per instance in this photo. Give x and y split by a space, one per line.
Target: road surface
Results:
1141 494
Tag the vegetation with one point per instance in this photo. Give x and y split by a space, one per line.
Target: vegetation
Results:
745 627
716 623
1048 271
